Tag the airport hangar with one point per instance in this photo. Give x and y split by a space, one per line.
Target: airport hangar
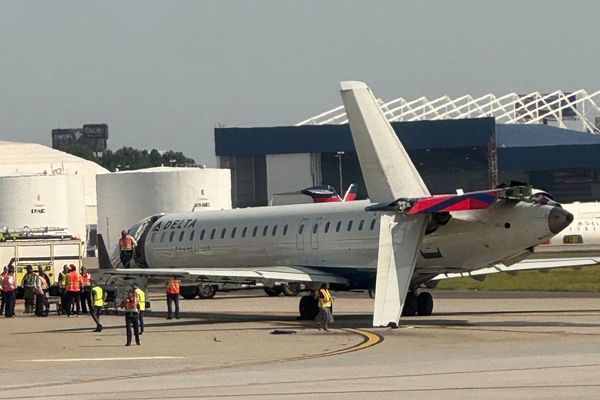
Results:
551 141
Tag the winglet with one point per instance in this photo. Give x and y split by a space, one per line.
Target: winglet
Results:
387 169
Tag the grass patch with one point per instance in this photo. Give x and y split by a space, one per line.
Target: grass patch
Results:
587 279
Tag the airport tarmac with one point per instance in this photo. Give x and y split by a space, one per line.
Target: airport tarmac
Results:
476 345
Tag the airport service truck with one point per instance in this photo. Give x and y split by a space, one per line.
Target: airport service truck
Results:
50 252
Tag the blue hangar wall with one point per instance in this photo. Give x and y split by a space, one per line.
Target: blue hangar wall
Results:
449 154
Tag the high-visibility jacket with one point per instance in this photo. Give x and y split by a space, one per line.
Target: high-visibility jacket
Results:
86 279
97 296
62 280
74 282
141 298
9 283
131 302
325 298
173 286
29 280
126 243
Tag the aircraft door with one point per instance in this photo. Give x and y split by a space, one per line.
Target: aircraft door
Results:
301 235
314 233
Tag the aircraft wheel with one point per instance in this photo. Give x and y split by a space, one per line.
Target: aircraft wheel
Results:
273 291
188 292
410 305
424 303
309 307
207 291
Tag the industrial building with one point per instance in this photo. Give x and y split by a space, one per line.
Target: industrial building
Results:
548 140
125 198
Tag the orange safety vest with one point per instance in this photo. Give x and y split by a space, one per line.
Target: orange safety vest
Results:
173 286
74 285
86 279
8 283
126 243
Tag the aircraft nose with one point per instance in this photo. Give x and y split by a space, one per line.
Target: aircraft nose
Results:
559 219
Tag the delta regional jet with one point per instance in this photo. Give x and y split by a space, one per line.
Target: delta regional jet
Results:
398 240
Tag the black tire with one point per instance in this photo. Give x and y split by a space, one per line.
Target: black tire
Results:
273 291
425 304
207 291
309 307
188 292
289 291
410 305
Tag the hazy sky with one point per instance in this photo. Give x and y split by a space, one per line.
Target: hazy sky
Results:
162 74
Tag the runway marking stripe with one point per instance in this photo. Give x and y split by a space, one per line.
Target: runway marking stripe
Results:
104 359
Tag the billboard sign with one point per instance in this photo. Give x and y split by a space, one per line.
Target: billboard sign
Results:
95 131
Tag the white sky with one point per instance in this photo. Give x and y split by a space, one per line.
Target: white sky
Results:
162 74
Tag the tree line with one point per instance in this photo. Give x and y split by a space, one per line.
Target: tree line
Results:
128 158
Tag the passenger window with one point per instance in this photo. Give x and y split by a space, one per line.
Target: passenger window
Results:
265 229
223 233
361 224
338 226
327 226
233 232
162 237
171 236
315 227
254 231
181 235
202 234
372 225
212 233
285 229
301 229
274 231
349 225
192 235
244 231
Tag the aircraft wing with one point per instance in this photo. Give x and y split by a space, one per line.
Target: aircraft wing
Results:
267 275
525 265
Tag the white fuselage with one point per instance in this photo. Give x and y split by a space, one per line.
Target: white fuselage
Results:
338 235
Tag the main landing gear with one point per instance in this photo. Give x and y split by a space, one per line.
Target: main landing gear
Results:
421 304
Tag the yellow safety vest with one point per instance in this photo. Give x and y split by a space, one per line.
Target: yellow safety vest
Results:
326 300
97 296
141 298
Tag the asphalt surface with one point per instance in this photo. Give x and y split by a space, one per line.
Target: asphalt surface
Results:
476 345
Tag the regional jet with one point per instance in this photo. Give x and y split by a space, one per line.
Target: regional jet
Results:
397 240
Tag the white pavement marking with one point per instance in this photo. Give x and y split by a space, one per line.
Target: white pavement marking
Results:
104 359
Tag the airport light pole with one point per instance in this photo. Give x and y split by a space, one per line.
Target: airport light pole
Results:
339 155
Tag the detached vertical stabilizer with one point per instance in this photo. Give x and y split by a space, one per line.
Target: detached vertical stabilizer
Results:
387 169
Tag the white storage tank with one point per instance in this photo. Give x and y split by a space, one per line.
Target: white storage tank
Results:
39 203
125 198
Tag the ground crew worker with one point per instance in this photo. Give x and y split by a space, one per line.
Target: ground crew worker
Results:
325 302
98 297
28 284
126 245
62 287
9 287
142 301
173 297
2 275
86 291
132 308
73 291
41 288
45 277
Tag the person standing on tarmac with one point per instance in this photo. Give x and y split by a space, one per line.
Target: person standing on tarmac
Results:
173 297
98 297
9 287
41 288
142 302
73 291
325 303
126 245
86 291
2 275
132 307
62 288
28 284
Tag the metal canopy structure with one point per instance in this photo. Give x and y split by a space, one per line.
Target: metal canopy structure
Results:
574 110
